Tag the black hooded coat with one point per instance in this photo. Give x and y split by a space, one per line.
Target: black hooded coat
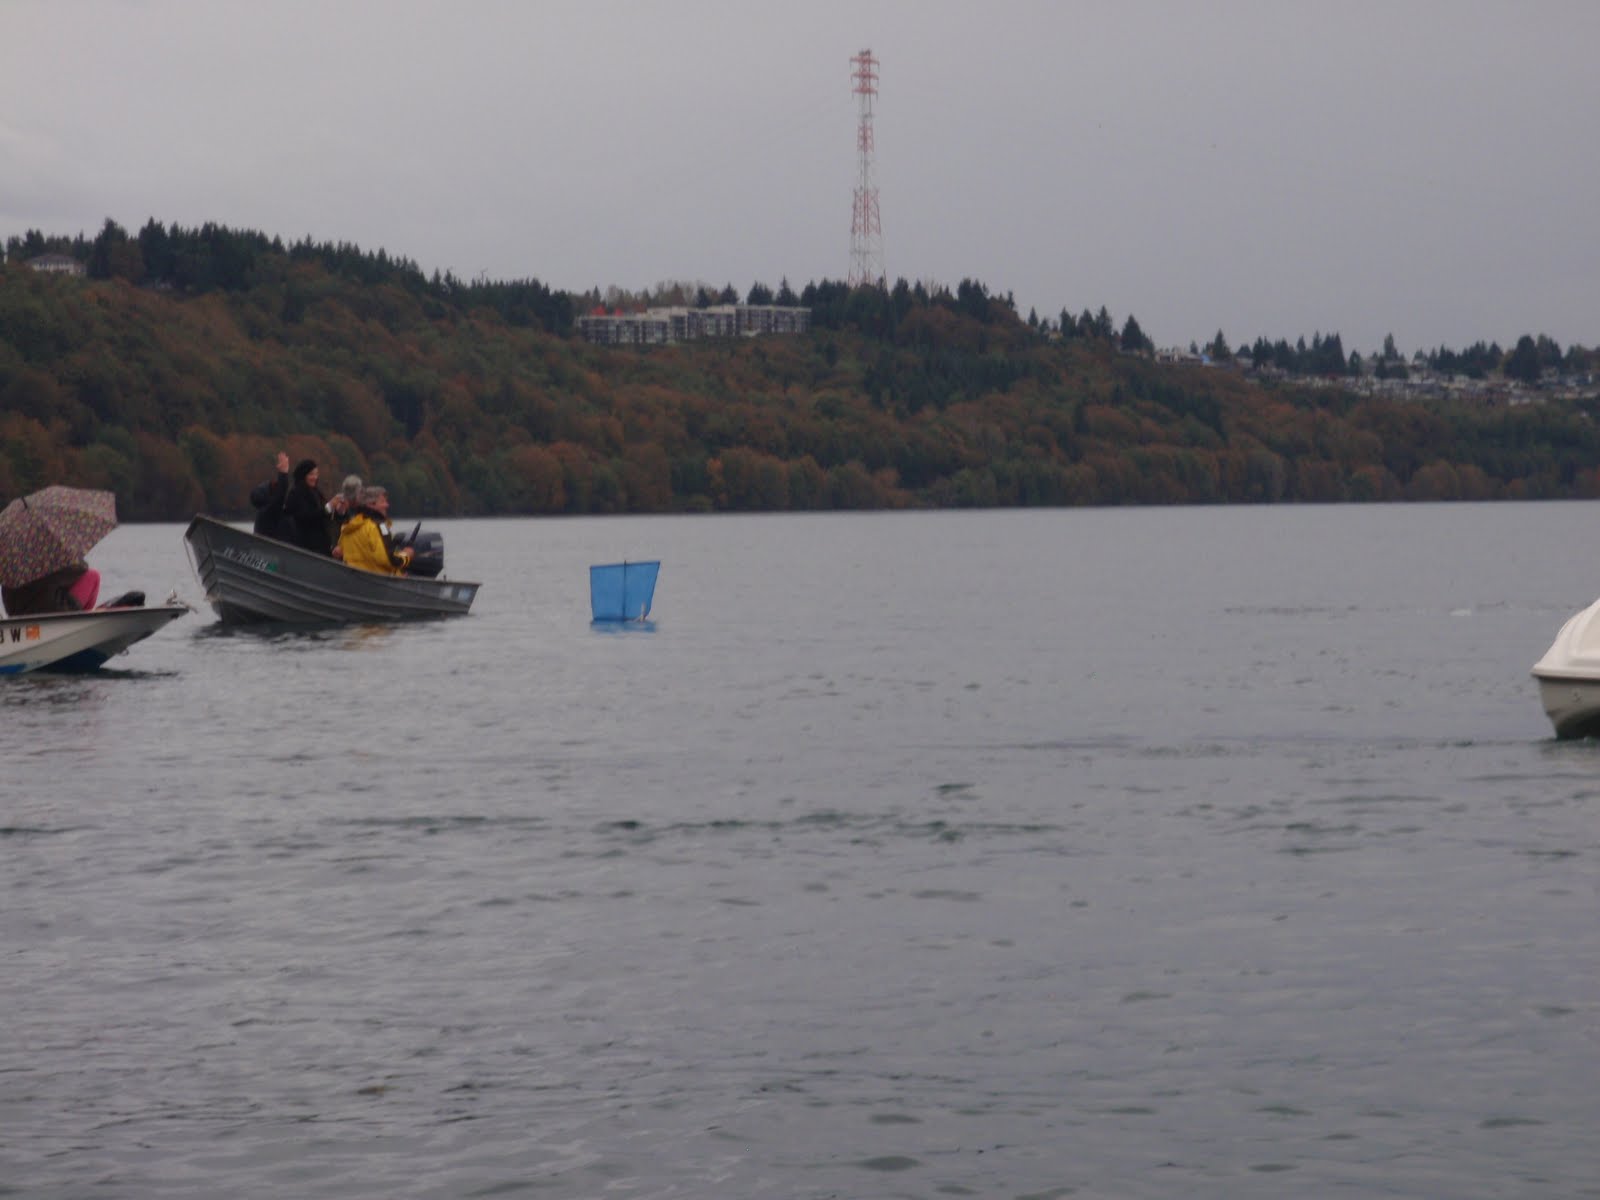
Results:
268 501
305 509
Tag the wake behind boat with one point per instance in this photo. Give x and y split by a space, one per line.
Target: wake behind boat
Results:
1569 676
77 641
250 579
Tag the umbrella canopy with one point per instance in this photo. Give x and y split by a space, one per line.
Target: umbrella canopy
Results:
51 529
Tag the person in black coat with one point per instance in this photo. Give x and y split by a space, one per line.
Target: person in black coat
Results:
308 511
268 500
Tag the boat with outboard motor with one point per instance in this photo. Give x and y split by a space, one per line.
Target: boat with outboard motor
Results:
249 579
1569 676
78 641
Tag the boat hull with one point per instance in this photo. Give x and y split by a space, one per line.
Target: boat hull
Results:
1573 705
1569 676
77 641
253 580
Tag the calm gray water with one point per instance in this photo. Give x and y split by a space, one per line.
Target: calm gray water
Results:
1135 853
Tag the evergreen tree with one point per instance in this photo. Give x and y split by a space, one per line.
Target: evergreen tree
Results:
156 248
1329 356
111 237
1523 362
972 299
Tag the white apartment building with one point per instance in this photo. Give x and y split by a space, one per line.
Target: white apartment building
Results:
659 326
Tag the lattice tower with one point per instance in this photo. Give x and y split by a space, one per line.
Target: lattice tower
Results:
866 232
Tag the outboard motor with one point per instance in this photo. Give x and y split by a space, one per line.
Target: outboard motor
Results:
427 551
427 554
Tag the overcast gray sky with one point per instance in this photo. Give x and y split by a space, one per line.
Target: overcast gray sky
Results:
1425 168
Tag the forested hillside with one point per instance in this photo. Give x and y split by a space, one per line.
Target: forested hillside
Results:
175 374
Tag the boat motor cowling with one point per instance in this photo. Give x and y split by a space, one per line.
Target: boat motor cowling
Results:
427 552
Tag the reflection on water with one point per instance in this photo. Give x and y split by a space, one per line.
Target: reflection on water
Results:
43 687
282 636
645 626
1161 853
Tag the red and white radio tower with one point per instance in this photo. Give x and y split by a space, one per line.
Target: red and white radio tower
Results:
866 234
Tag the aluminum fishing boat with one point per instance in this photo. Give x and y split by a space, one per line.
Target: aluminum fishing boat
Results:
77 641
250 579
1569 676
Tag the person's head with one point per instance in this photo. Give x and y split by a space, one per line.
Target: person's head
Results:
350 489
376 498
306 472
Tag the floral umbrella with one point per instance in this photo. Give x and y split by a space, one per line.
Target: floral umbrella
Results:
51 529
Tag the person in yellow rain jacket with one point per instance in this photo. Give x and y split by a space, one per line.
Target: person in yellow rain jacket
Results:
362 540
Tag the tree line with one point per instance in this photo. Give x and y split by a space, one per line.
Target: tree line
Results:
215 257
173 375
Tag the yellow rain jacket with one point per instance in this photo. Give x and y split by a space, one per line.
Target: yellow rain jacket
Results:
362 545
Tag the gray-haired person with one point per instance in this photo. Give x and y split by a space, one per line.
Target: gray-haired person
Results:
343 506
349 495
366 541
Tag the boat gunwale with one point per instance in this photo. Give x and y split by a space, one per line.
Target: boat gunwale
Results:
72 614
1559 676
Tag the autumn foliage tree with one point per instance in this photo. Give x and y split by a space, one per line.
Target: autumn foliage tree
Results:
189 357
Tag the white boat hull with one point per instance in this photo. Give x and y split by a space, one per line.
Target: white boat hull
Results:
1569 676
77 641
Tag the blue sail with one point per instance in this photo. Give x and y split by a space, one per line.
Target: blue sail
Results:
622 591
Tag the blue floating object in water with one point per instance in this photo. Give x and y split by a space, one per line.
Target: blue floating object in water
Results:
622 591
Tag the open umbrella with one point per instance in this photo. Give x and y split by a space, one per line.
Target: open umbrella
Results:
51 529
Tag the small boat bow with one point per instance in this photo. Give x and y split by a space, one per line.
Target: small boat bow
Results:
1569 676
77 641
